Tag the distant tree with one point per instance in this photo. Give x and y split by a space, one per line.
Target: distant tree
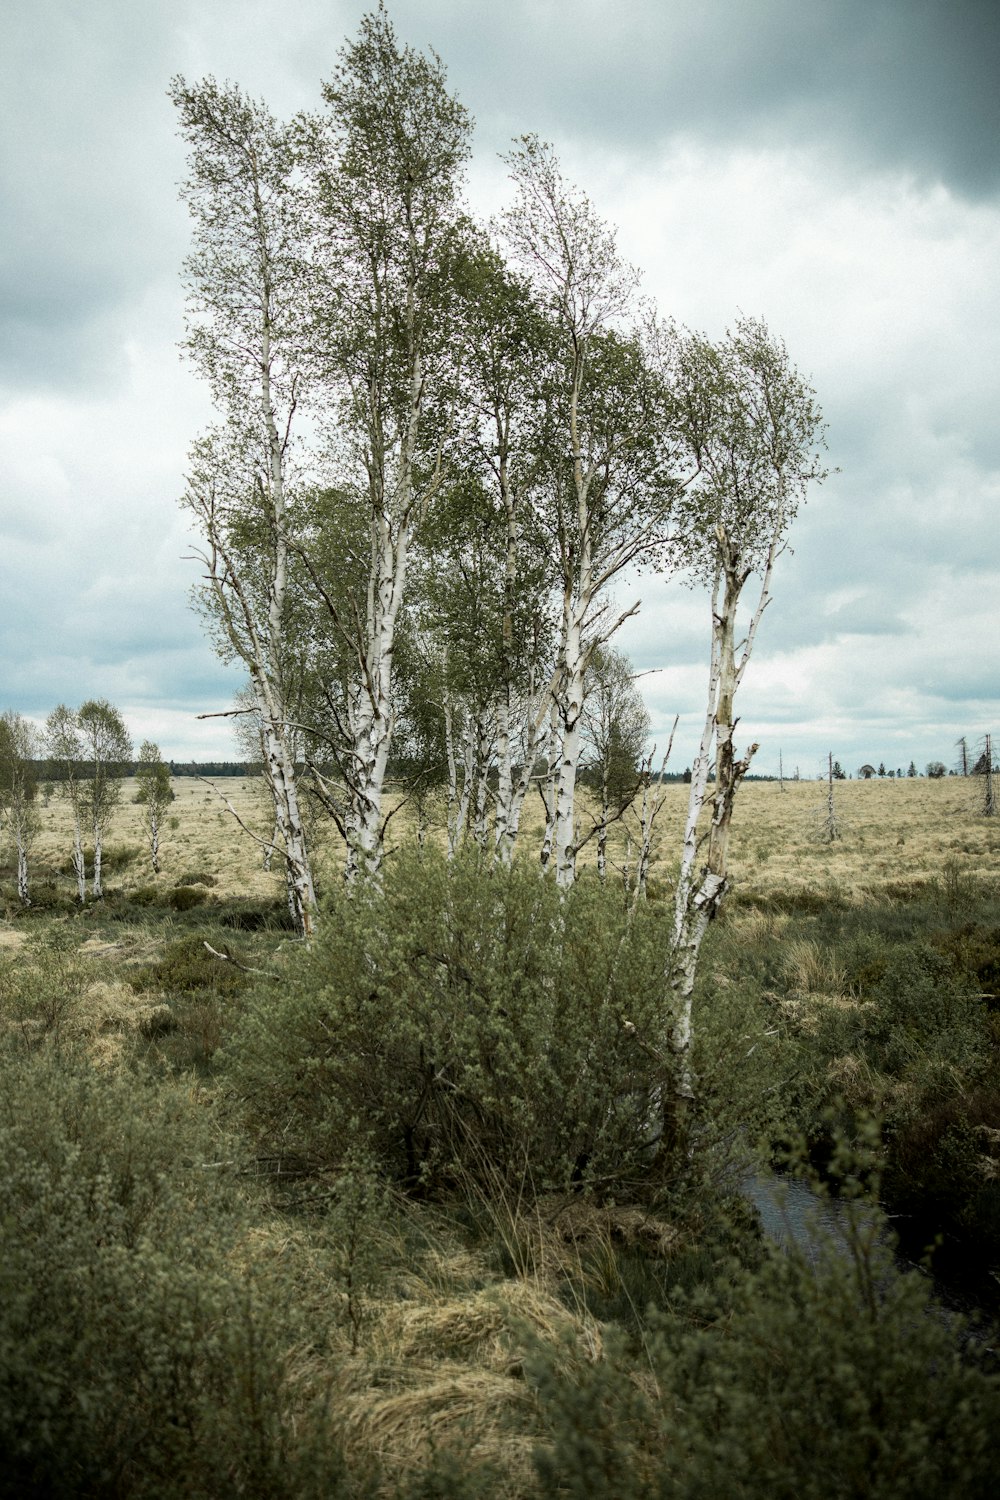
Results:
615 726
912 770
838 772
936 769
985 767
18 790
830 829
107 751
962 746
881 768
64 747
154 796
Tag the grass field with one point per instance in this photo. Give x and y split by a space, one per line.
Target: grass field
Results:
896 837
196 1300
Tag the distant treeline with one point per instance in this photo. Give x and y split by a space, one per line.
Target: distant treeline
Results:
47 770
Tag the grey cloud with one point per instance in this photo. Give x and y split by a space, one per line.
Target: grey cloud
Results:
87 154
913 85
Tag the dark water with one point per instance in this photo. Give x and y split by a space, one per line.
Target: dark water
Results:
793 1215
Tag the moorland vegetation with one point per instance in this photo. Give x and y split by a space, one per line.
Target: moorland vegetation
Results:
374 1217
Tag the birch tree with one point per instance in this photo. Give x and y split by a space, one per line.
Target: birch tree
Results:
611 487
511 343
107 750
64 747
386 162
19 791
246 336
154 796
753 431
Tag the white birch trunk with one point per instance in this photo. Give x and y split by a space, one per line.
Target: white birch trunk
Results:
509 816
570 705
698 901
547 786
279 766
154 840
484 757
502 846
459 813
97 886
79 863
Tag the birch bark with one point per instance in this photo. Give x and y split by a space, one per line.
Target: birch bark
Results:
246 327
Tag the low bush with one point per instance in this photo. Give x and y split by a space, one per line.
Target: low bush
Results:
465 1028
817 1376
185 897
267 916
136 1358
187 968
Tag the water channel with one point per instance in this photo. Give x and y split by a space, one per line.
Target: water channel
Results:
795 1216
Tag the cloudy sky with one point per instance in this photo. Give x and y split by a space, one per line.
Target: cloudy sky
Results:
830 165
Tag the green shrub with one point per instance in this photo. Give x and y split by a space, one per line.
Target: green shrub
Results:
142 1353
184 897
187 968
814 1377
465 1027
266 916
925 1019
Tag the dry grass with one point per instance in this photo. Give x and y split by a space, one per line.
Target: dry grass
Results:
439 1366
899 837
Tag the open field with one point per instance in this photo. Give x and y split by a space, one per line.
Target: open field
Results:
897 837
217 1281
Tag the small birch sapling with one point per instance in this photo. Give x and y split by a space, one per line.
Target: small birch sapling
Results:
154 796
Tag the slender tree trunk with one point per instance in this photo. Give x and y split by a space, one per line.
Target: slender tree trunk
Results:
154 840
79 862
484 756
570 705
536 709
698 901
505 780
459 797
97 887
22 872
547 787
